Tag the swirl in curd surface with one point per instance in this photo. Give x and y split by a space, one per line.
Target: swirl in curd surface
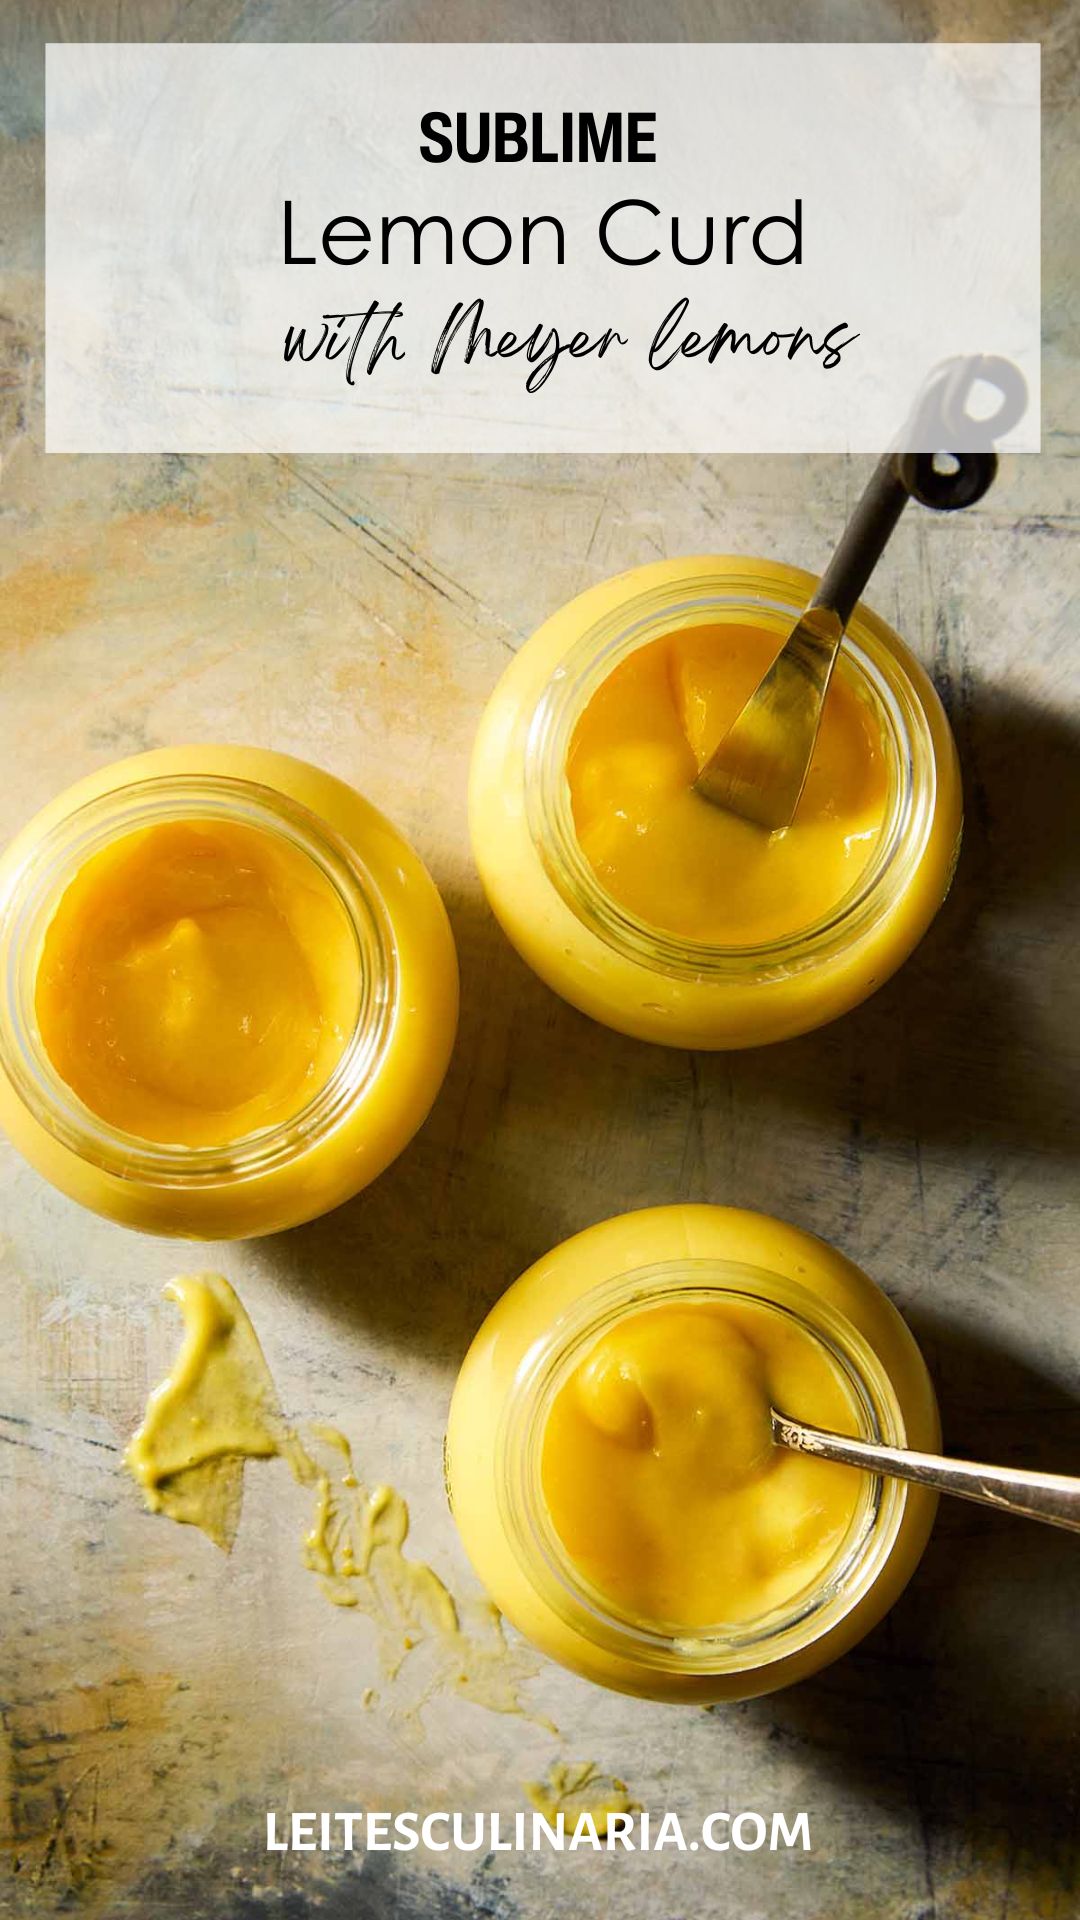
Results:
672 858
661 1476
199 980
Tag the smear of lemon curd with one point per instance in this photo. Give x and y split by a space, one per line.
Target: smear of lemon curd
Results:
217 1409
578 1790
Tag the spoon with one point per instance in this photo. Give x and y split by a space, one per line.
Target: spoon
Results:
760 766
1052 1497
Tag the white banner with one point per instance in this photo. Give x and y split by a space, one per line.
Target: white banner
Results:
497 248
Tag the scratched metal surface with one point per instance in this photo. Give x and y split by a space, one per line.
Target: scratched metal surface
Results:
157 1697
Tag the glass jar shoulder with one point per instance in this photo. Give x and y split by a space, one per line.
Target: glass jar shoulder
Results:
533 1307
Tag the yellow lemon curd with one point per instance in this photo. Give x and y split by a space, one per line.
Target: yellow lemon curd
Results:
660 1473
228 991
610 1464
670 856
199 980
636 900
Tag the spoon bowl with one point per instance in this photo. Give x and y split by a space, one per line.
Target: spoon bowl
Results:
759 767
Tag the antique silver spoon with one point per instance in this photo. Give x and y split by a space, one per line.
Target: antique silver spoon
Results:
1052 1497
760 766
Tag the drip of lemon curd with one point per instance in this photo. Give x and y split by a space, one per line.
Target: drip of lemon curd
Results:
199 980
661 1478
690 868
577 1789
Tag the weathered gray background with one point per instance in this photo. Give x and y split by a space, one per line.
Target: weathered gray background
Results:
156 1697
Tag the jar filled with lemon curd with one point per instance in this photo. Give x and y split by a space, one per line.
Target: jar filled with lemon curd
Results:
636 899
610 1467
229 992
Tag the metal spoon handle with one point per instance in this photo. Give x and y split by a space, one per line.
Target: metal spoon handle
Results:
1051 1497
759 767
863 540
896 479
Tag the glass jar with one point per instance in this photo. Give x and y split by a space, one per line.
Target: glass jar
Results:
536 1336
393 1060
615 966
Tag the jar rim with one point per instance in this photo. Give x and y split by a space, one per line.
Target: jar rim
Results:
31 893
531 1531
650 614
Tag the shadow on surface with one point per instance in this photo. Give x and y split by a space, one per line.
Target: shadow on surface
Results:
975 1040
963 1705
548 1122
426 1250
